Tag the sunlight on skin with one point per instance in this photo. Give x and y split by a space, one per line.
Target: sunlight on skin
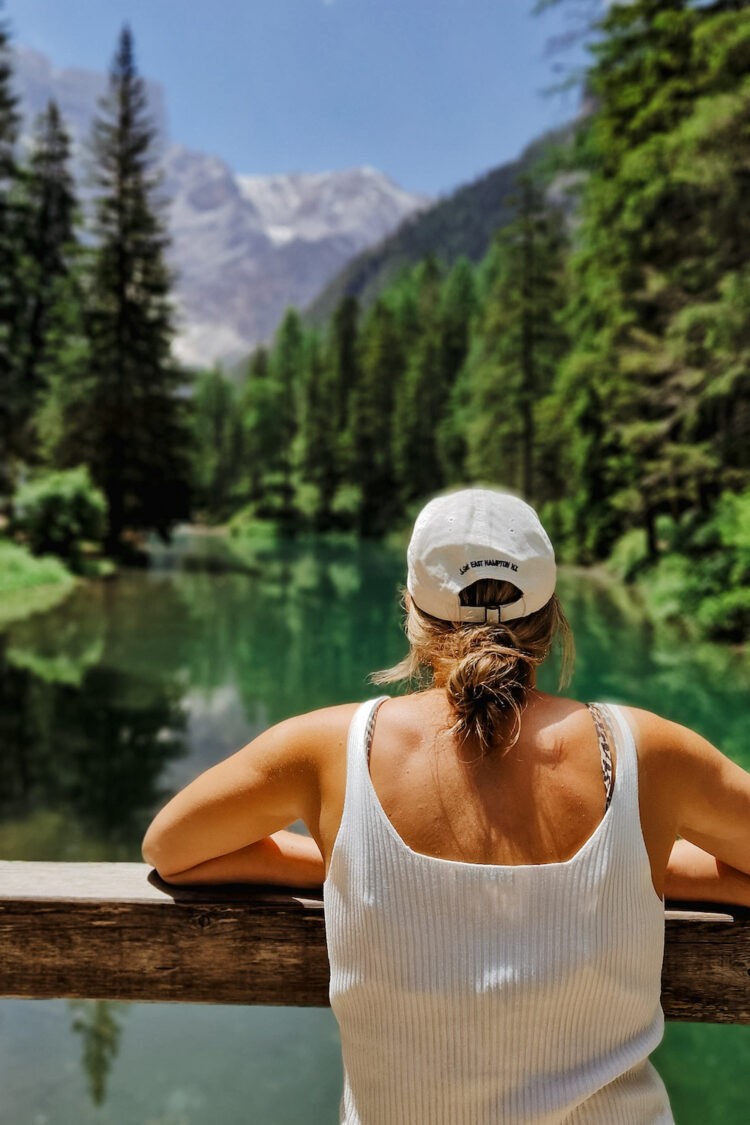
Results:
285 858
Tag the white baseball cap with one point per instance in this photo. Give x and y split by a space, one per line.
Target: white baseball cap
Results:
478 533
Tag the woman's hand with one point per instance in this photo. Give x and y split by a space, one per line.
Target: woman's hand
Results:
285 858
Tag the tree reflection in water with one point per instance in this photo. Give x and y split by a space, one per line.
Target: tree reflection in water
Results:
102 695
95 1021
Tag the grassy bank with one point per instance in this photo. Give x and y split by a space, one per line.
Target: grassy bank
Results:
29 583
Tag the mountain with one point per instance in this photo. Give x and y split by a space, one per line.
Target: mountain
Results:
460 224
246 247
243 247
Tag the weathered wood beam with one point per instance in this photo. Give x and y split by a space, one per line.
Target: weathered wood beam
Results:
116 931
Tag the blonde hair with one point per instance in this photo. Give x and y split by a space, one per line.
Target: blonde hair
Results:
487 670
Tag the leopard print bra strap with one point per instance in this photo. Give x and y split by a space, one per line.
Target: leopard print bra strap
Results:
605 735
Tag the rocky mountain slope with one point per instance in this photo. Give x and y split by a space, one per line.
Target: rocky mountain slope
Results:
243 247
462 223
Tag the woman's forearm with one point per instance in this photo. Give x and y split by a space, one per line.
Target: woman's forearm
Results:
285 858
696 876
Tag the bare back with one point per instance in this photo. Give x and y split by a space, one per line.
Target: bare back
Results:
534 803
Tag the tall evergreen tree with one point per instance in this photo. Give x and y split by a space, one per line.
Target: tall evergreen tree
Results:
62 425
320 434
459 305
420 394
10 259
264 431
51 251
287 374
381 366
137 413
522 344
661 228
217 456
342 355
342 361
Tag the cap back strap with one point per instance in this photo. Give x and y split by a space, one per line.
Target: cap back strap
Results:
492 614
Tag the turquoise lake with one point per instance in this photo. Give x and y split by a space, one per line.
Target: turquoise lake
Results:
129 688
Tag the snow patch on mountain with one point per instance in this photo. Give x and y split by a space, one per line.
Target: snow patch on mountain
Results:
244 247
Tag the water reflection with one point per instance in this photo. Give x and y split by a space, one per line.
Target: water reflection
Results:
622 657
116 698
89 754
303 632
100 1030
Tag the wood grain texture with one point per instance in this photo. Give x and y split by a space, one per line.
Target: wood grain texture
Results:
116 931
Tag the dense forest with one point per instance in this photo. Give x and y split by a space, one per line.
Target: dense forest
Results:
596 359
599 364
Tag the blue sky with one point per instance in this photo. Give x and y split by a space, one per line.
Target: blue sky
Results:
432 92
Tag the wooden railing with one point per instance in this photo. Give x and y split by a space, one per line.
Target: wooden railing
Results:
116 931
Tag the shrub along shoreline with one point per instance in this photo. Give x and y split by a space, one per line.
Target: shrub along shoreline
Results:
30 583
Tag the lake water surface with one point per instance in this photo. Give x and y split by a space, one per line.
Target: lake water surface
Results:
115 699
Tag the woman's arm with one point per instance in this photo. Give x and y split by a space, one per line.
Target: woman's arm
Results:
285 858
228 814
694 875
708 798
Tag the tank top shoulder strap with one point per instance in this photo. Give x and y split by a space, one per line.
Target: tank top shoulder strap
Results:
625 789
358 746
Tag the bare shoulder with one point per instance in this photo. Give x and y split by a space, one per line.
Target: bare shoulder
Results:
677 756
307 736
657 737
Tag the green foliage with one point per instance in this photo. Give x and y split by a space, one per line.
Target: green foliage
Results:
51 251
217 459
58 511
659 351
21 570
12 211
520 346
702 578
629 554
596 362
381 363
247 524
100 387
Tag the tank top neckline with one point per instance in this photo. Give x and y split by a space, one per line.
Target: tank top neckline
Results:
362 758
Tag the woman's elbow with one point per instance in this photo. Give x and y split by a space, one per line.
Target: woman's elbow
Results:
155 857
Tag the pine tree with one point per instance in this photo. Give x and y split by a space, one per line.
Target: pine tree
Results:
342 356
458 307
522 344
51 251
217 429
62 424
420 405
458 303
342 360
420 394
264 432
10 262
287 375
137 413
320 433
381 366
662 230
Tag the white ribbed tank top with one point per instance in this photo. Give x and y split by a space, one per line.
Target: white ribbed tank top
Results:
481 994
